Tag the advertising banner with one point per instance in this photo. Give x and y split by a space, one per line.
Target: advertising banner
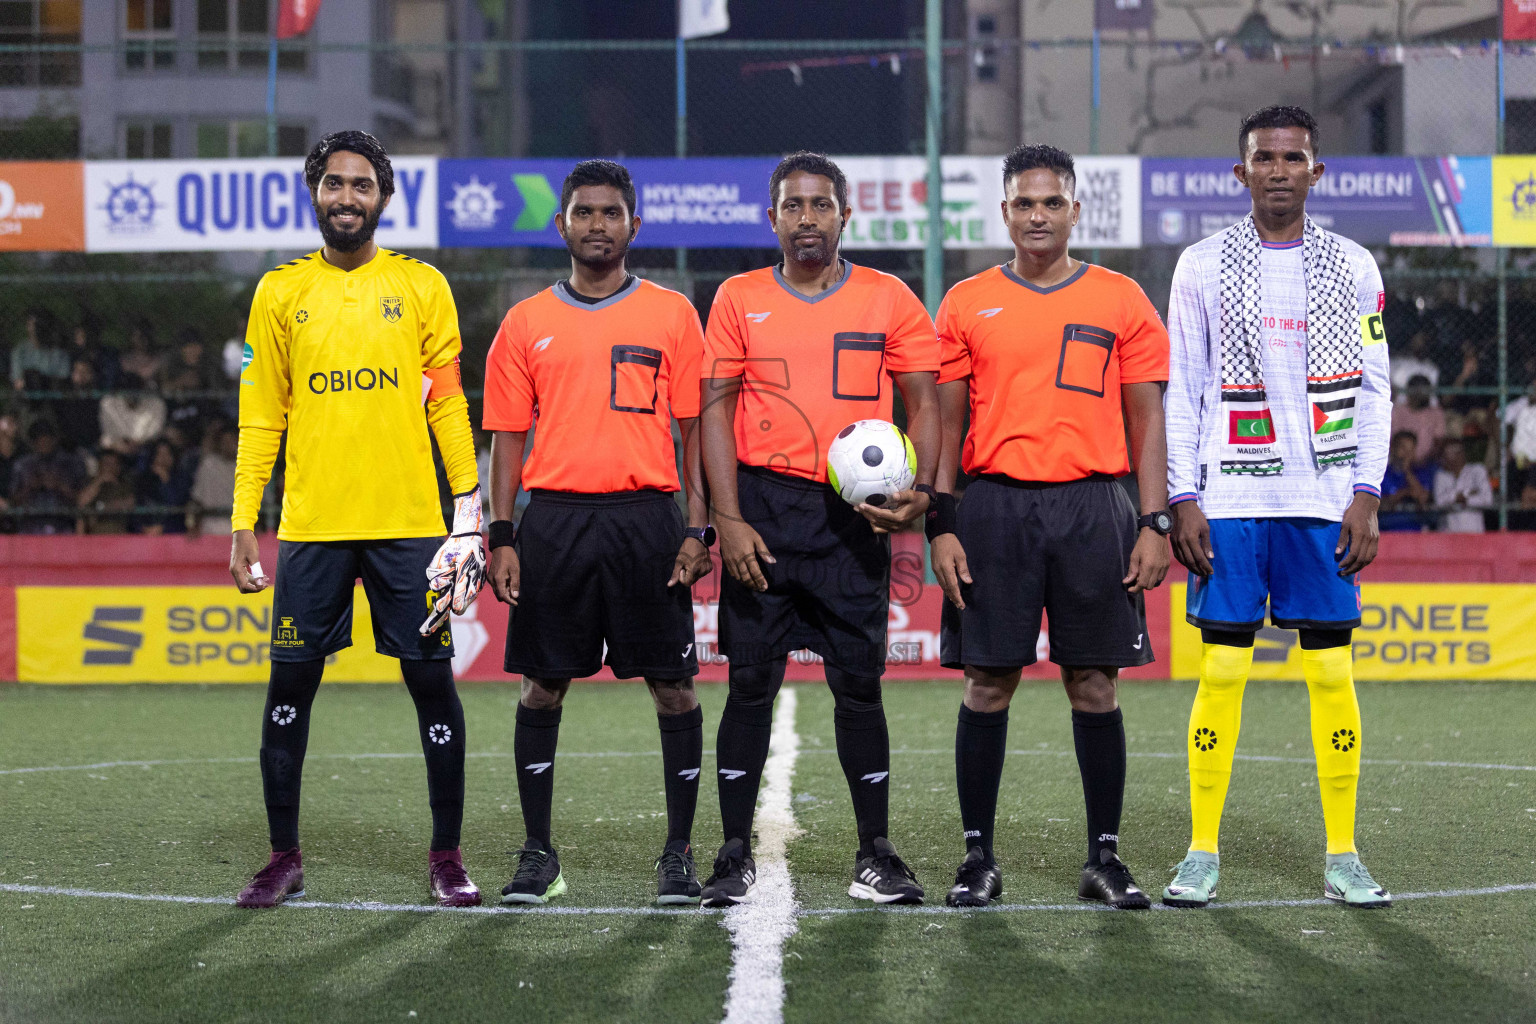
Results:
203 205
1407 631
167 635
698 203
889 196
40 207
1514 200
1374 200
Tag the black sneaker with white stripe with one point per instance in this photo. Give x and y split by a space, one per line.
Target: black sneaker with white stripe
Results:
884 877
732 880
978 882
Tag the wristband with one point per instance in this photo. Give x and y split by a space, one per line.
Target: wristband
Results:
503 533
943 514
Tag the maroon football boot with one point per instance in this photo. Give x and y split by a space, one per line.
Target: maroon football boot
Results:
451 887
281 879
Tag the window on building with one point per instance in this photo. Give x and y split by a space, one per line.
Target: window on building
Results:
147 140
149 35
39 21
235 35
1520 126
217 139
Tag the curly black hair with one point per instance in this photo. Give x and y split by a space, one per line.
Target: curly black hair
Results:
351 141
811 163
1276 117
599 172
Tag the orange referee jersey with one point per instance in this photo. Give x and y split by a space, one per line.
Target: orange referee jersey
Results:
604 381
1045 368
811 365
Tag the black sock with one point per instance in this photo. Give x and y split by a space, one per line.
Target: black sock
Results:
1100 741
682 752
440 717
284 738
533 744
981 741
741 745
864 748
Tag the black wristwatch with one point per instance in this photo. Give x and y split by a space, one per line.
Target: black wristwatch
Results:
1160 521
703 534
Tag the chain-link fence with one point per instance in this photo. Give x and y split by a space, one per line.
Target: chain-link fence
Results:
1462 317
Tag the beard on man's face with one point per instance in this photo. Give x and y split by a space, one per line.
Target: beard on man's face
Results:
348 241
819 254
603 263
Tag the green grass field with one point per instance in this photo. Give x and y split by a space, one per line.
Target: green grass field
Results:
192 825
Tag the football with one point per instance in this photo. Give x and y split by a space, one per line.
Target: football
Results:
869 461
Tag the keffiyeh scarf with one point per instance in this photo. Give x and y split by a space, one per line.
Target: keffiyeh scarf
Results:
1334 359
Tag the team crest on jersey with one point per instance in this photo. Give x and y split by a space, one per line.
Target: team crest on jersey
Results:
392 307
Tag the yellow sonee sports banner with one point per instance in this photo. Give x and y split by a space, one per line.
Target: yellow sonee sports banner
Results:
168 635
1407 631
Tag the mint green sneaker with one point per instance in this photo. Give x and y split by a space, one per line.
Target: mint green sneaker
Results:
1194 880
1346 880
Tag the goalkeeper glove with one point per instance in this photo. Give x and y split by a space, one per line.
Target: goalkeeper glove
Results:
457 571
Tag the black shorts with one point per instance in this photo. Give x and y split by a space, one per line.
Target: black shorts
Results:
312 603
594 571
1061 547
829 588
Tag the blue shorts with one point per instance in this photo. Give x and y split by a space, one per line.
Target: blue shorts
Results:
1287 561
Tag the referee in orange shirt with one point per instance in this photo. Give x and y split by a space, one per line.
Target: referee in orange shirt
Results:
1056 361
605 362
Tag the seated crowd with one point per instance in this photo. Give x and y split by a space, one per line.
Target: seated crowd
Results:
95 440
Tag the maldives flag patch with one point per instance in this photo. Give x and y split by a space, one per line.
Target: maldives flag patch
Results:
1251 428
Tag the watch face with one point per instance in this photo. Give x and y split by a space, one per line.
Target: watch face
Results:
1162 522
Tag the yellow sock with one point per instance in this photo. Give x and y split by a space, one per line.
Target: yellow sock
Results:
1335 740
1213 726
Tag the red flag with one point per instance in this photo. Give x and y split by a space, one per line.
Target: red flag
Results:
1519 19
295 17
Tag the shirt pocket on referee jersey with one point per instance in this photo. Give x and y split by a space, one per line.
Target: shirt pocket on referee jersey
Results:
1085 352
858 363
632 374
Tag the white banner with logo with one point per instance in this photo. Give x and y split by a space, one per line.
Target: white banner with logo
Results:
889 196
201 205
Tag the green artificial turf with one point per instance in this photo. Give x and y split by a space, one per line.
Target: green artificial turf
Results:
196 828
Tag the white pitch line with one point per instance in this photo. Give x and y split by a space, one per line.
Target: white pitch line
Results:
759 929
1013 908
1155 755
566 911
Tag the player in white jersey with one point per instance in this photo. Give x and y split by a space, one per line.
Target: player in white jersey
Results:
1278 415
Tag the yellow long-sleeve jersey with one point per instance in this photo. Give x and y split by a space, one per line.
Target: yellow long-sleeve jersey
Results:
355 365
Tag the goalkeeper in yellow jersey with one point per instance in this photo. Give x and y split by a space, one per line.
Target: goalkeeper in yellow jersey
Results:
354 350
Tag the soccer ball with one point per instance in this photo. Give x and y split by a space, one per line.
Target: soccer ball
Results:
869 461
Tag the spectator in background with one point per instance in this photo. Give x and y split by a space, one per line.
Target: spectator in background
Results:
185 378
1416 363
233 355
1418 415
47 478
214 485
130 420
109 491
141 366
1407 491
1462 490
37 365
80 413
162 483
9 454
84 344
